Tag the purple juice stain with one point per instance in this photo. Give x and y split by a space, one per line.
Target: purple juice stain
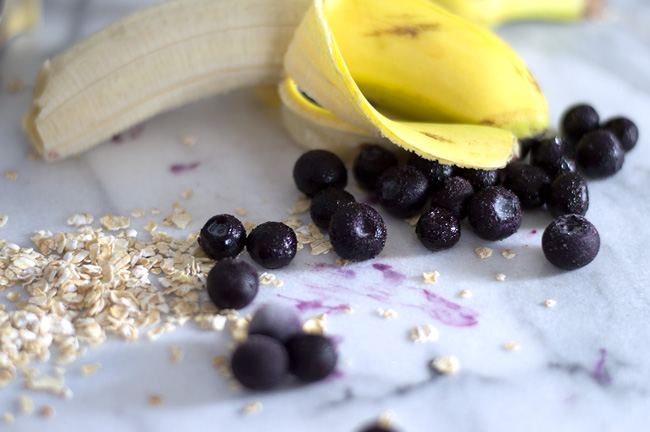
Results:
304 305
446 311
346 273
389 273
182 168
600 373
533 231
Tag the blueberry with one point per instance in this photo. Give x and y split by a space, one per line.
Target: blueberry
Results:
554 155
272 245
480 179
275 320
370 163
402 190
222 236
625 130
438 229
357 232
260 363
377 427
325 203
454 195
312 357
527 144
317 170
570 242
232 283
529 183
600 154
568 194
494 213
436 172
578 120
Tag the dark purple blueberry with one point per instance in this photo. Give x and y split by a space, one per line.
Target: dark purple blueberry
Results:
454 196
480 179
260 363
570 242
553 155
232 283
436 172
527 144
402 190
376 427
625 130
357 232
600 154
529 183
438 229
578 120
494 213
222 236
272 244
275 320
325 203
370 163
568 194
312 357
317 170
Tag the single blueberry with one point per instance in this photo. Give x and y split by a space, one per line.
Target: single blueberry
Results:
260 363
232 283
317 170
570 242
454 195
527 144
568 194
436 172
357 232
272 244
275 320
377 427
529 183
402 190
600 154
371 162
480 179
624 129
222 236
494 213
553 155
312 357
438 229
325 203
578 120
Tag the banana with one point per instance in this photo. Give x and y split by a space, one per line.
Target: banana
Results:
18 16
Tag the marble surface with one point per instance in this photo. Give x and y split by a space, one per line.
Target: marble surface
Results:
582 366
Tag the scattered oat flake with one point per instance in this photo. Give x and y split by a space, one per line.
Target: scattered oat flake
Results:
301 206
386 420
465 294
293 222
413 221
220 360
241 211
508 253
138 213
150 227
500 277
13 296
114 223
430 277
176 353
47 411
249 226
315 325
26 404
89 369
448 365
320 246
15 86
550 303
3 220
252 408
425 333
188 140
388 313
341 262
182 219
155 400
278 283
187 194
156 211
266 278
483 252
8 418
511 346
11 175
80 219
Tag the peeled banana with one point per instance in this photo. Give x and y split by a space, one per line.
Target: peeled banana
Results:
18 16
403 72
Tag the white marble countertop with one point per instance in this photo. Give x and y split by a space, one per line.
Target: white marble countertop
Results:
583 365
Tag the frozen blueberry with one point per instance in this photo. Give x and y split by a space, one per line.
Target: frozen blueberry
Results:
570 242
578 120
436 172
402 190
312 357
232 283
272 244
480 179
275 320
370 163
554 155
357 232
325 203
377 427
260 363
494 213
600 154
438 229
526 144
568 194
454 196
222 236
529 183
317 170
625 130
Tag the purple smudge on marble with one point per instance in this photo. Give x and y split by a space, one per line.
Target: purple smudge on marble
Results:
600 373
182 168
304 305
446 311
533 231
337 339
389 273
346 273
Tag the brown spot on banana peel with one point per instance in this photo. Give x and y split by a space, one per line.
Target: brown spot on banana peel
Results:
410 30
436 137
